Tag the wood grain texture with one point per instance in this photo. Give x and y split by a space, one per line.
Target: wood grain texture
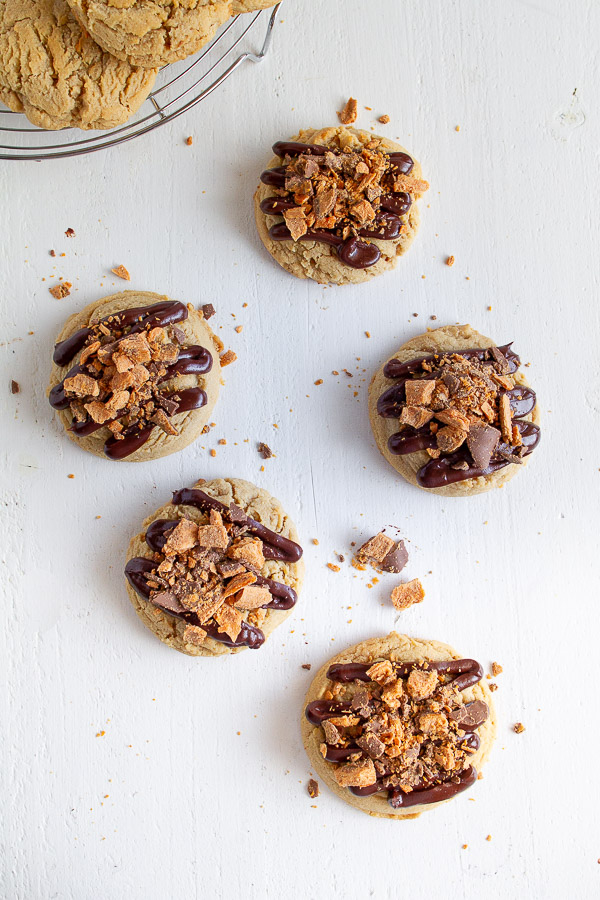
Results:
195 809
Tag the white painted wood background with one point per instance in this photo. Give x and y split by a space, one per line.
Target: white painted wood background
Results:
197 786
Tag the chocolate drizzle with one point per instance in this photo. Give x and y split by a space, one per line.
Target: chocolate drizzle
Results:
458 466
354 252
191 360
275 546
463 673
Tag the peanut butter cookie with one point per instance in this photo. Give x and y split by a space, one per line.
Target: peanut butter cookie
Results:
395 726
451 413
151 33
51 70
135 376
216 570
338 204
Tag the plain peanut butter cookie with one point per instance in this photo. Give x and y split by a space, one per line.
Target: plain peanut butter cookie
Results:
151 33
452 414
135 376
216 570
338 204
51 70
396 726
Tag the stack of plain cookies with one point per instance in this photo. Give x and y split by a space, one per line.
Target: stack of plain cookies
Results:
91 63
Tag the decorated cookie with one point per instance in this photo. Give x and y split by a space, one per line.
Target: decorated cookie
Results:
151 33
217 569
452 414
396 726
51 70
338 204
135 376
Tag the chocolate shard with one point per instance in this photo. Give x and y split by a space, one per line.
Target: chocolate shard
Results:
396 559
482 441
500 360
471 715
236 513
451 381
166 600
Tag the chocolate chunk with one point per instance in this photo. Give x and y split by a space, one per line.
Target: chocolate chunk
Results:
313 788
500 360
471 715
169 406
451 381
208 310
360 701
396 559
179 334
307 666
167 601
236 513
482 441
14 387
265 451
371 744
332 735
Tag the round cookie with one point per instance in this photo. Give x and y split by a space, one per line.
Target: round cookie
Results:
288 572
152 33
398 649
246 6
318 260
51 70
187 344
448 339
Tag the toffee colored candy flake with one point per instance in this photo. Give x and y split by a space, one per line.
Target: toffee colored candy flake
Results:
349 113
123 363
206 571
121 272
398 728
61 290
346 194
405 595
467 409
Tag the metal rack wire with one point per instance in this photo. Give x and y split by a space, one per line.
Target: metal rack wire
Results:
179 87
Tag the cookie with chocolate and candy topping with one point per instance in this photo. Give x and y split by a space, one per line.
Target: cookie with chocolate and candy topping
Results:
216 570
395 726
135 376
452 414
338 204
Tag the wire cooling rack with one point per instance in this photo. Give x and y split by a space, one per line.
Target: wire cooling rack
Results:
179 87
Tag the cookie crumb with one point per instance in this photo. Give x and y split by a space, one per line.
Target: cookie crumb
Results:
53 253
333 567
307 666
519 728
228 357
457 128
239 328
489 837
319 381
61 290
315 541
265 451
433 318
213 452
348 114
496 668
313 788
71 475
464 846
189 141
367 334
384 119
208 310
15 387
121 272
405 595
450 261
69 233
493 687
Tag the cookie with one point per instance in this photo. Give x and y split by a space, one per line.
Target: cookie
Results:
244 6
216 570
51 70
135 376
396 726
452 414
151 33
338 204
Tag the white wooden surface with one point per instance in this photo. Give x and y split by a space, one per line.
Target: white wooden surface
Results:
196 787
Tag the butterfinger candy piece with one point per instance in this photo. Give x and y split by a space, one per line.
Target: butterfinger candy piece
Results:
359 774
252 597
419 391
405 595
376 548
